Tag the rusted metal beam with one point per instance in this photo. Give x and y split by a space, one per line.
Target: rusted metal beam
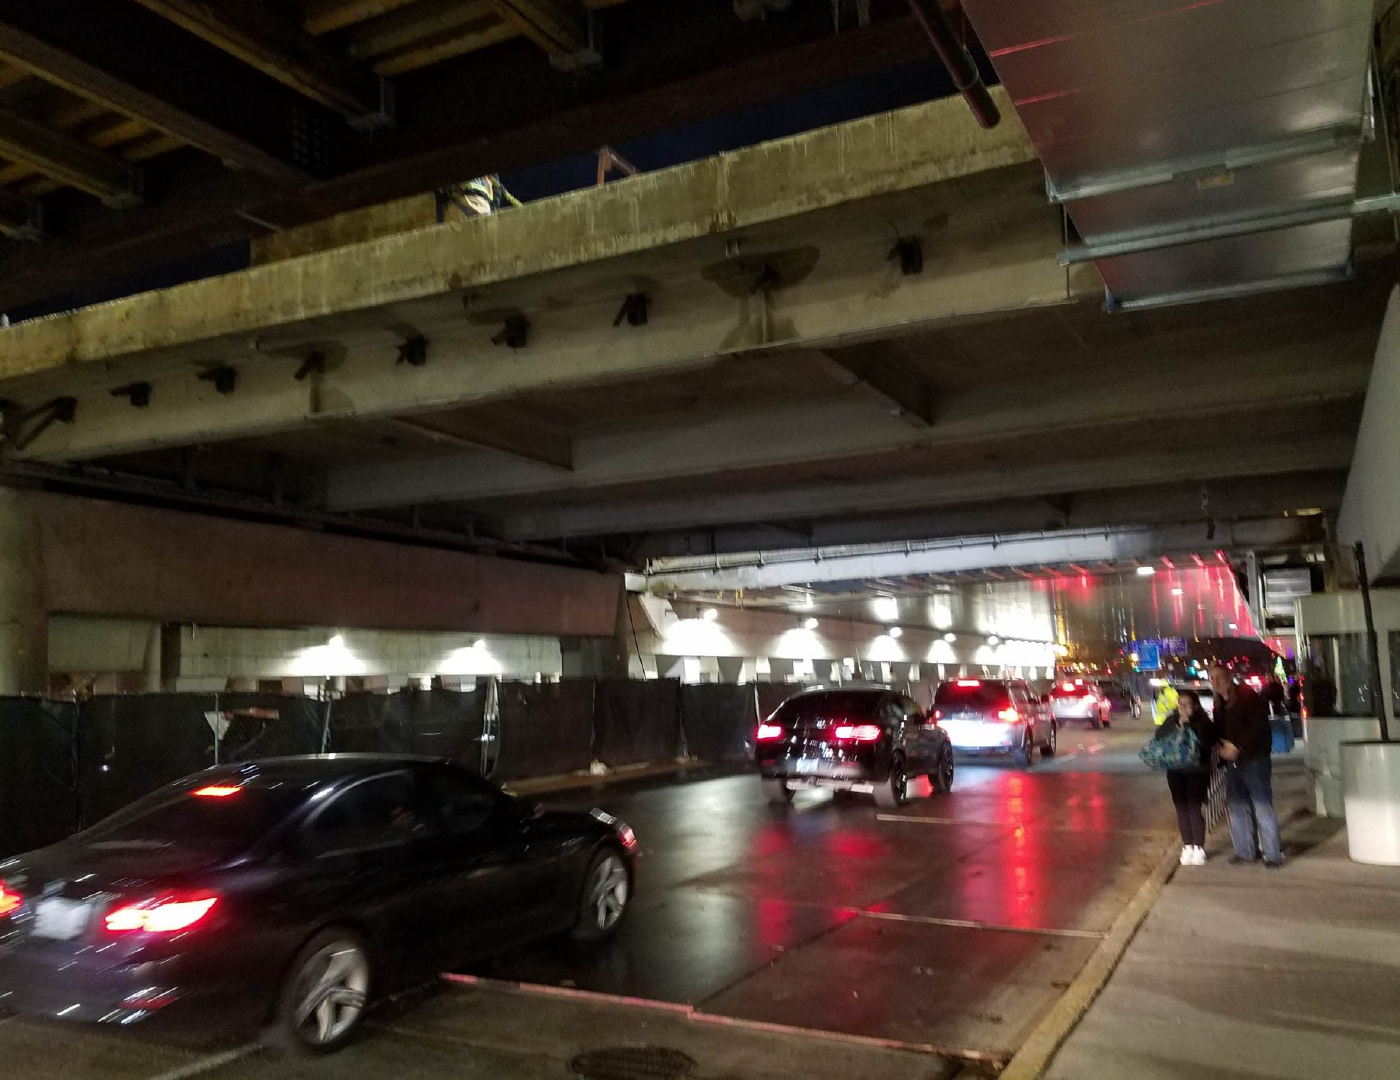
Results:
559 27
59 155
280 51
64 68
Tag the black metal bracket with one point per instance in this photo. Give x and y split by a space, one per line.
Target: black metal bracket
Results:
515 334
909 250
314 364
224 378
61 410
138 393
413 351
635 309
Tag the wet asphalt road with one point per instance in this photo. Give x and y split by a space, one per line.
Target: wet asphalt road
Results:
953 923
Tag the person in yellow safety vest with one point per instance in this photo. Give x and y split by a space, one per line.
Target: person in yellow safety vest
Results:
476 198
1165 705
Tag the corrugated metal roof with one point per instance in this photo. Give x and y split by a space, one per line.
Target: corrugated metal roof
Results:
1156 116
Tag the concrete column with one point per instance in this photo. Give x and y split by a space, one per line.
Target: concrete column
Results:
24 624
151 658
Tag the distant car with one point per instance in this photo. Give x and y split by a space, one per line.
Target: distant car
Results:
1079 700
996 716
288 893
870 740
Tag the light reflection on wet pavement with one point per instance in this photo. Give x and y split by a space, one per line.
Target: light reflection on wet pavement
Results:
955 921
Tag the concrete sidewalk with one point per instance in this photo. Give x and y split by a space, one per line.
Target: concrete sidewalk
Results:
1241 973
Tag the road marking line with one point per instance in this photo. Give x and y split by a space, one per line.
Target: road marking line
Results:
919 820
970 924
204 1065
690 1012
1046 1038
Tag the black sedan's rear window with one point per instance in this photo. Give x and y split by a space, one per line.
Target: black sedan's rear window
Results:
833 706
972 694
221 821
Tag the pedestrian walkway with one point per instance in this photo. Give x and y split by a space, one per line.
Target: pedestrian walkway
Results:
1241 973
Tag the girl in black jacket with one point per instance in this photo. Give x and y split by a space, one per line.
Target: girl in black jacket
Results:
1190 786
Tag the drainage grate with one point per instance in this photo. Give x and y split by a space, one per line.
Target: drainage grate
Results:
634 1063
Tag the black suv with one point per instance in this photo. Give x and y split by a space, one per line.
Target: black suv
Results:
862 739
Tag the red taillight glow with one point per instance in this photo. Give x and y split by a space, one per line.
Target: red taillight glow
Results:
769 732
938 714
857 732
969 682
160 916
1008 716
9 900
217 791
628 837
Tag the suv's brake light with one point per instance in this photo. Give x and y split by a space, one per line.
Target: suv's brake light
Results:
165 915
768 732
969 682
9 900
857 732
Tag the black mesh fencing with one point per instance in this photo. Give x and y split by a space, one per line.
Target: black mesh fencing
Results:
718 720
131 744
637 722
436 723
771 695
545 729
38 773
252 726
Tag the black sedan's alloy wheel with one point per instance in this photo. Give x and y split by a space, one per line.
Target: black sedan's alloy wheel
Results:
606 891
325 993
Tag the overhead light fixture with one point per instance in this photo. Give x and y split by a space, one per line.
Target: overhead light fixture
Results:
337 641
810 624
896 631
992 639
1234 626
479 643
886 608
711 614
950 638
1178 591
1146 571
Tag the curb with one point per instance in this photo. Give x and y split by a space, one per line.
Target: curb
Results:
1045 1040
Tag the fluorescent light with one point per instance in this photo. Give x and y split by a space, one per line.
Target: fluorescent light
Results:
810 624
1146 571
711 614
1178 591
950 637
895 631
886 608
992 639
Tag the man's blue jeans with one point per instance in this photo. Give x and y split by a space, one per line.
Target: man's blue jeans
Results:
1249 791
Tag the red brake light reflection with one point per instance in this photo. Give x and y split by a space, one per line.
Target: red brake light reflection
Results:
1009 716
858 732
769 732
217 791
9 900
159 916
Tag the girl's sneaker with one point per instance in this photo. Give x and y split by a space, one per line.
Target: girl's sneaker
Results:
1188 856
1198 856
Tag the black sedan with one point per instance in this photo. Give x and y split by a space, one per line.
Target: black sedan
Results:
288 893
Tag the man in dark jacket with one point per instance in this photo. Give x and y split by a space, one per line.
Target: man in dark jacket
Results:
1246 742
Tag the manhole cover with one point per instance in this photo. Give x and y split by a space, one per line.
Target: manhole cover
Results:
634 1063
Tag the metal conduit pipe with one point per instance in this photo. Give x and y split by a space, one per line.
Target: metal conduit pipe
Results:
957 60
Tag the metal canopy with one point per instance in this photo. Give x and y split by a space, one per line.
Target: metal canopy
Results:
1203 148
